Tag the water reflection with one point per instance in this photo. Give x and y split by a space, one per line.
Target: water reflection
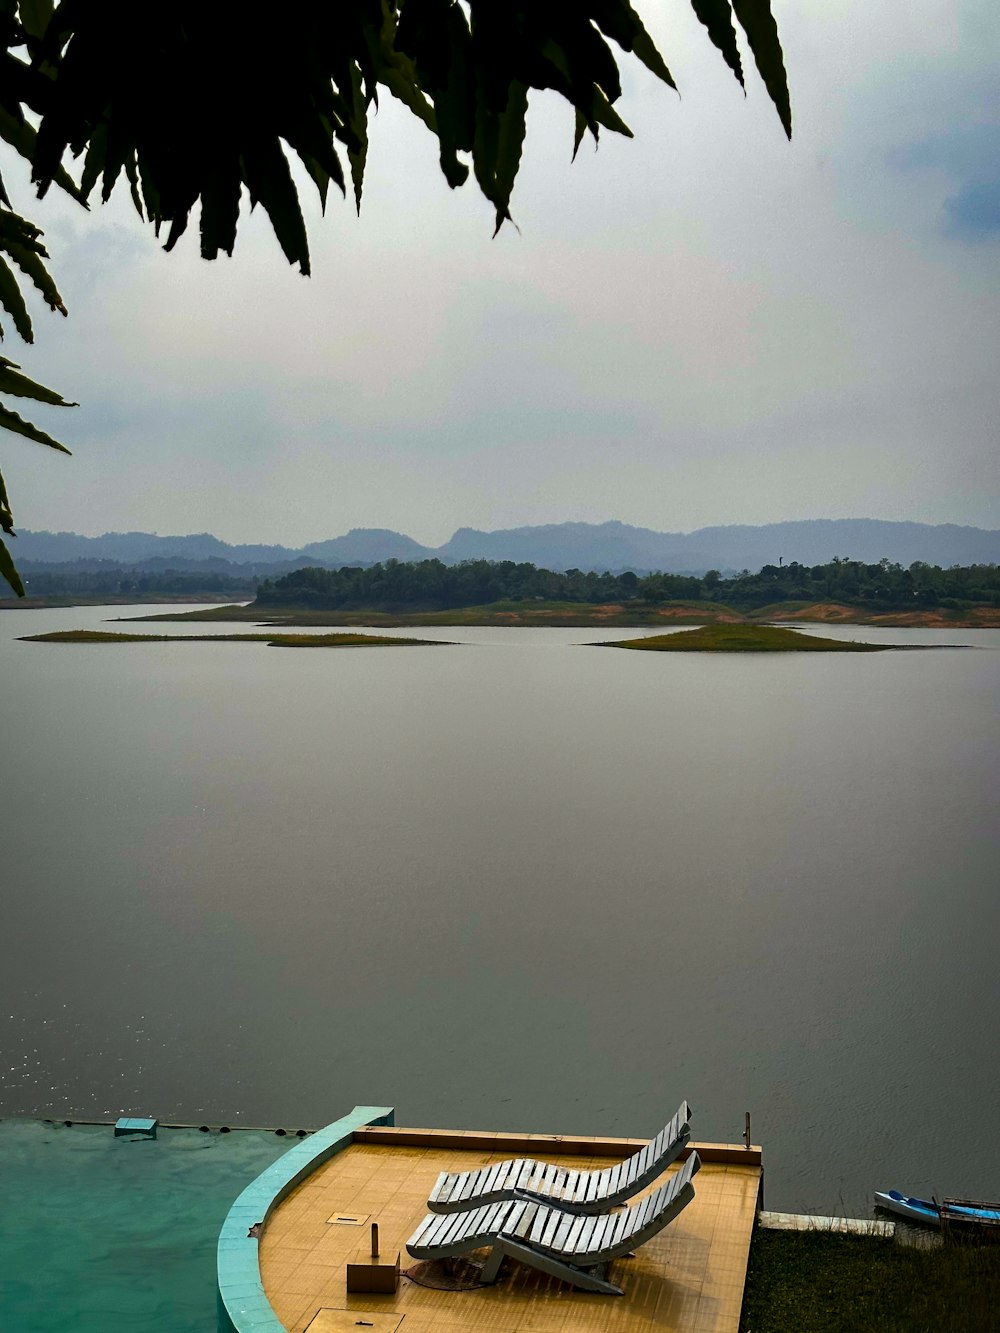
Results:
533 887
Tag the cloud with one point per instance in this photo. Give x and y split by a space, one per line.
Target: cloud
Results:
967 155
974 212
701 325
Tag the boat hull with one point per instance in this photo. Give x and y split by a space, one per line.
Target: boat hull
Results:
952 1212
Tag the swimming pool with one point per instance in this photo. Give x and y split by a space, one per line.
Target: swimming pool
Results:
106 1235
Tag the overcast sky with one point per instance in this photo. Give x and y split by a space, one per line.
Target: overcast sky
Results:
702 325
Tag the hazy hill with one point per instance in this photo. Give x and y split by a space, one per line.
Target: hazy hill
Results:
368 545
583 546
560 546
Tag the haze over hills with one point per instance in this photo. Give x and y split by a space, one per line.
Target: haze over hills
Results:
611 546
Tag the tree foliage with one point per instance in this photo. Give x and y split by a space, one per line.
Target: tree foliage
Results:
432 585
205 107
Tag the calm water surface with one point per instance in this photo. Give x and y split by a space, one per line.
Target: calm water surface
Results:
519 884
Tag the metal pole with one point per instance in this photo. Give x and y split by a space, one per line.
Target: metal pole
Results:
746 1130
374 1240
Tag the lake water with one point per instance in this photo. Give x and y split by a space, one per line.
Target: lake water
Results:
519 884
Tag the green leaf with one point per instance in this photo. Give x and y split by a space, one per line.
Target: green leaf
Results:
29 262
267 177
6 517
132 174
580 129
510 141
604 114
758 23
359 124
320 177
11 421
8 570
406 90
619 21
23 387
13 302
220 212
717 18
93 163
35 15
21 136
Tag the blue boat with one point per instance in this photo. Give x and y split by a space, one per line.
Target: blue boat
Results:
962 1213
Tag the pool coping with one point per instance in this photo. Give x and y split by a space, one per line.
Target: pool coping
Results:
243 1306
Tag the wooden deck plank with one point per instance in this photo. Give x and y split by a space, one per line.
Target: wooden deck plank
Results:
683 1281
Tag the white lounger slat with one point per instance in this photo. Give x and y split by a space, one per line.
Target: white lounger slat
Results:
437 1233
566 1221
622 1227
534 1180
514 1216
551 1227
460 1224
584 1241
593 1185
524 1174
492 1178
424 1228
564 1245
581 1224
570 1184
605 1227
547 1185
440 1184
468 1186
514 1174
448 1185
615 1177
589 1192
643 1212
541 1220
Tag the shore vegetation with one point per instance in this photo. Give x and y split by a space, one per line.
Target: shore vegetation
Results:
431 585
484 592
826 1282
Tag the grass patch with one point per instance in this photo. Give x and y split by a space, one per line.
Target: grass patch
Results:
822 1282
272 640
744 639
779 610
227 611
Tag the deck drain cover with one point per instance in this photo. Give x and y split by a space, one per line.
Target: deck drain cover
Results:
354 1321
348 1219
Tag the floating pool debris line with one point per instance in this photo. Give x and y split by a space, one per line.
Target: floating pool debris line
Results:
144 1126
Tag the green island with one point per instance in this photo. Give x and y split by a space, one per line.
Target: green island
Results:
746 639
826 1282
272 640
484 592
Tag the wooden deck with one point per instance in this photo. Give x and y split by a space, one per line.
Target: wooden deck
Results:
688 1279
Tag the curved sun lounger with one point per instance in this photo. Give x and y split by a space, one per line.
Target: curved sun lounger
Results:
573 1191
572 1247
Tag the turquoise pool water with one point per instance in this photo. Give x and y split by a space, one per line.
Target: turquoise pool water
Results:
106 1235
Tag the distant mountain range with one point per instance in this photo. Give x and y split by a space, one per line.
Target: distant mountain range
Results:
559 546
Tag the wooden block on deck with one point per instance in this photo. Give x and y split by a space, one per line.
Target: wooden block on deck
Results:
371 1276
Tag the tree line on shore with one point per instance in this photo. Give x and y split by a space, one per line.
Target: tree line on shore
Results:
138 583
433 585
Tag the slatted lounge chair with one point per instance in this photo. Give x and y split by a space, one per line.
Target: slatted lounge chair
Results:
573 1191
569 1246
